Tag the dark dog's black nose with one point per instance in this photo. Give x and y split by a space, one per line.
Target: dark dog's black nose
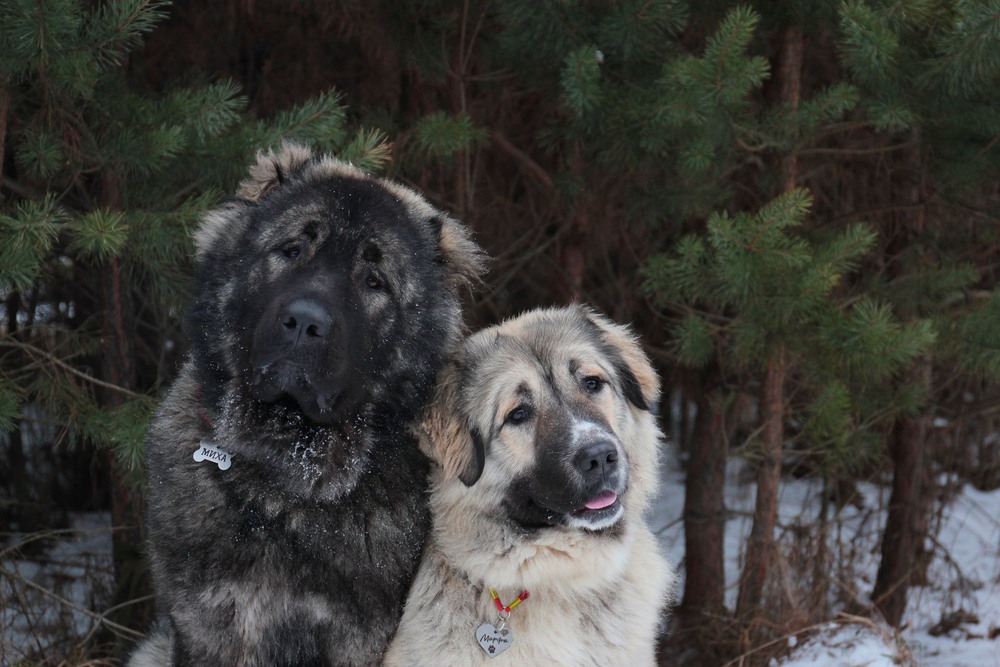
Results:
597 460
304 321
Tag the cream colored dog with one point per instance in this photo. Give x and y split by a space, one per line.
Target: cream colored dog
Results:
547 461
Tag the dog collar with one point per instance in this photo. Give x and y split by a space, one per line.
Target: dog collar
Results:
209 451
200 408
497 638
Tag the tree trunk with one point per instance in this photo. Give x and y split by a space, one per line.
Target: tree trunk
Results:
907 521
704 515
761 547
572 253
460 167
4 108
127 507
905 524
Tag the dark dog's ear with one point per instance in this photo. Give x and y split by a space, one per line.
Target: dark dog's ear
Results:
445 435
463 259
273 169
225 224
639 381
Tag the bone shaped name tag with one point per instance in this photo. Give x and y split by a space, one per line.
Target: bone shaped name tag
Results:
208 452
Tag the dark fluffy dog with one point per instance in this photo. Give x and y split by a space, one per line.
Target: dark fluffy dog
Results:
286 495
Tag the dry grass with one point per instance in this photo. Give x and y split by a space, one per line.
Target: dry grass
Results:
55 586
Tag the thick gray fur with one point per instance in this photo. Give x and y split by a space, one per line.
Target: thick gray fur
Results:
302 552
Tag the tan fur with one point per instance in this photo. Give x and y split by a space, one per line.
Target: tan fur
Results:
596 597
442 436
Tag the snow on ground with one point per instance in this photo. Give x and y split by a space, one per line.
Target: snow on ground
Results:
964 575
966 583
45 593
844 645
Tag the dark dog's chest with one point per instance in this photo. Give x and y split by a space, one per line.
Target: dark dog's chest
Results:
369 540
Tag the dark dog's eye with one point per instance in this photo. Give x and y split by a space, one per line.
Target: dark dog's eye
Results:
311 230
592 384
373 282
519 415
292 250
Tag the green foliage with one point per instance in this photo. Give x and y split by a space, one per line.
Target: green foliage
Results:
826 106
829 418
973 339
967 58
873 52
757 265
10 407
99 236
764 284
438 136
726 60
695 345
634 29
121 429
712 91
320 121
115 28
27 234
206 111
581 81
868 343
700 107
368 150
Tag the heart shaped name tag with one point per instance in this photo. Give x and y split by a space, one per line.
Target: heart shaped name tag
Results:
494 641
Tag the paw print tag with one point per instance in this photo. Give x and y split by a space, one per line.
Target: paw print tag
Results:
494 640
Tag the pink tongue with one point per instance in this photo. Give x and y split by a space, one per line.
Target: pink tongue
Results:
601 501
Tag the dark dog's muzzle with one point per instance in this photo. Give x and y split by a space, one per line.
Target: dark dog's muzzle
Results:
298 355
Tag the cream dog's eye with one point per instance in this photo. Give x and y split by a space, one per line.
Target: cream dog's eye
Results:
518 415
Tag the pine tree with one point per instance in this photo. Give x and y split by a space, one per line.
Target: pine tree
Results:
756 285
102 184
928 74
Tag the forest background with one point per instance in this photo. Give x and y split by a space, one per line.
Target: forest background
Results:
796 205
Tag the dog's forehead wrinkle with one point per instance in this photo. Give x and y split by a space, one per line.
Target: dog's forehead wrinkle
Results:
309 222
503 360
523 392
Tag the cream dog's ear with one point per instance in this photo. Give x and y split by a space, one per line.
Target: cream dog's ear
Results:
639 380
444 433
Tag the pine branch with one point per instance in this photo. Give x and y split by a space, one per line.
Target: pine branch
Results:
116 26
38 353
